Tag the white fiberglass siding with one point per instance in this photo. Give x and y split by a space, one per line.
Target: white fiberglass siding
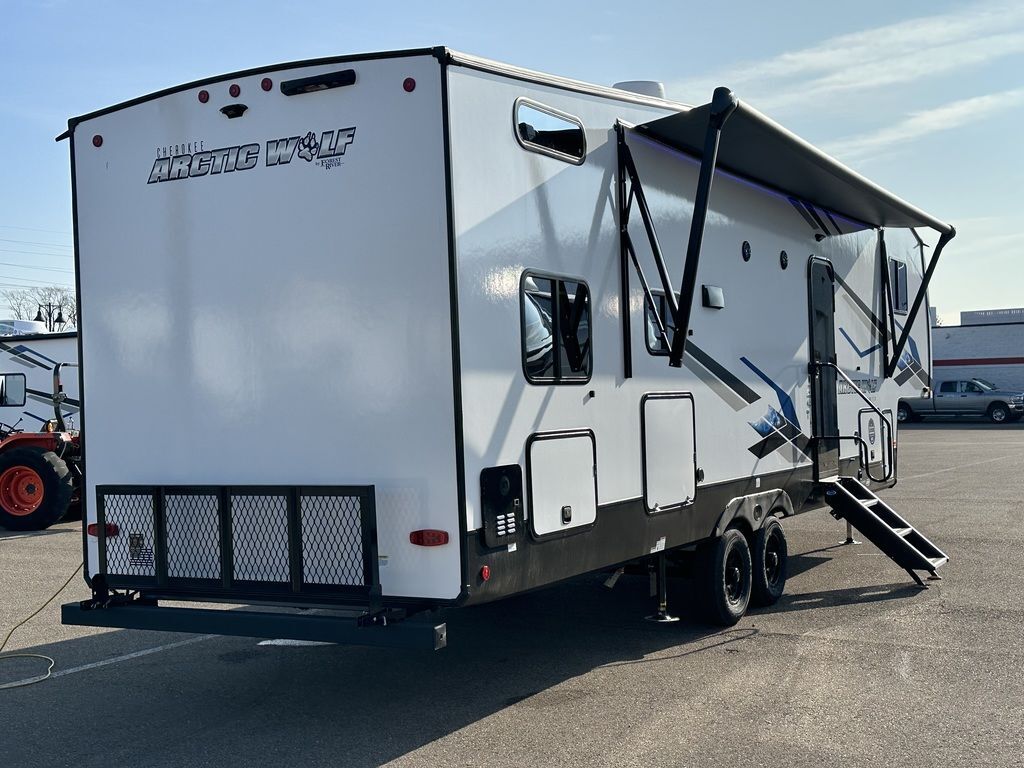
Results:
284 324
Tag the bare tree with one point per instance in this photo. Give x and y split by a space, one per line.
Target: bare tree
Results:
24 303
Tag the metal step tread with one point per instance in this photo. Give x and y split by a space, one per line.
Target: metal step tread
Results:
853 501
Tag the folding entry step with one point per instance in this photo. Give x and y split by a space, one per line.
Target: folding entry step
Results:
880 524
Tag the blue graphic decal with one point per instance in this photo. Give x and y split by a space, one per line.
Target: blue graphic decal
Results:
861 354
770 422
785 402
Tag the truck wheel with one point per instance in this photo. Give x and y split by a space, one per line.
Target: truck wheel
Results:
999 413
35 489
726 572
903 413
770 556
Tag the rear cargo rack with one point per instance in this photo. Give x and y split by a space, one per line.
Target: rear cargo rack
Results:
242 543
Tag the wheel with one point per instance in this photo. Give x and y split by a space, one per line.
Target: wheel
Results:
903 413
35 489
770 559
726 572
999 413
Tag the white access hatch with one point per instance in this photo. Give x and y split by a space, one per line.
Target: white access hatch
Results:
561 469
669 450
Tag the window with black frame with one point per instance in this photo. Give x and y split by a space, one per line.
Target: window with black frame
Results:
657 342
555 329
898 284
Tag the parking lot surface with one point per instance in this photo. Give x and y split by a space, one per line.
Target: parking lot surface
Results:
854 667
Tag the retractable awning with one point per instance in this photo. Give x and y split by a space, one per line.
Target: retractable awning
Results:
756 147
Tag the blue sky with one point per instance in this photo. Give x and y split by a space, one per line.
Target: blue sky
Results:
926 98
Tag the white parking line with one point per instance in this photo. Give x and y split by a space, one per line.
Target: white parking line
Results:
960 467
32 535
118 659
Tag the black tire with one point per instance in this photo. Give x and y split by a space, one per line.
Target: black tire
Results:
903 413
52 495
726 578
999 413
770 556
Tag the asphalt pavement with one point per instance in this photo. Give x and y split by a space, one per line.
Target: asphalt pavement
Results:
854 667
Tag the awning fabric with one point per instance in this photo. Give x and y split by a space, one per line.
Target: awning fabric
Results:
756 147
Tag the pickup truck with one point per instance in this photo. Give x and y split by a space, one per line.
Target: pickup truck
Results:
971 397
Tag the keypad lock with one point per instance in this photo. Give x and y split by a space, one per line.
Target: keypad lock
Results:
501 503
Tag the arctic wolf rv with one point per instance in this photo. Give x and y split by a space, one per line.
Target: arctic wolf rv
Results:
547 328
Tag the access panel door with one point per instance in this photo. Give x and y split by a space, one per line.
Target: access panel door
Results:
561 471
669 445
824 402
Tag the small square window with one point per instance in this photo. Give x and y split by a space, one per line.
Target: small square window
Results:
555 330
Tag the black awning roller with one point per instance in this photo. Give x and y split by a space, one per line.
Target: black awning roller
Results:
756 147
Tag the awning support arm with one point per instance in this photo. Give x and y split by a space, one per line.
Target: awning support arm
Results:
897 352
637 194
723 104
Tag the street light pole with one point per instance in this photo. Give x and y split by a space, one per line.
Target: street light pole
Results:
51 321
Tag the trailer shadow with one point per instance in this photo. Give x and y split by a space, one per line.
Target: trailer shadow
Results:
232 701
830 598
264 704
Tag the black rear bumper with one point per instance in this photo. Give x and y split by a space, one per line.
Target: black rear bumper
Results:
409 634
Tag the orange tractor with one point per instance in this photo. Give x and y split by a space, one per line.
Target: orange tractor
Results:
40 472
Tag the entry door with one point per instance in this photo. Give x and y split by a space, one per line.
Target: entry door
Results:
824 406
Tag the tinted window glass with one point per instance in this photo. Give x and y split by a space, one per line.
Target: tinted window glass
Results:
657 343
538 329
556 318
550 132
970 386
898 282
948 386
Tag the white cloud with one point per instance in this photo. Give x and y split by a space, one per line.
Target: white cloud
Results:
898 53
918 124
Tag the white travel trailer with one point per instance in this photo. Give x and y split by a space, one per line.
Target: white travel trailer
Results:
33 358
507 384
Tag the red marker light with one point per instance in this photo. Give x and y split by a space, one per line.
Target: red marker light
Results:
204 96
97 140
266 83
485 573
109 529
429 537
409 85
234 90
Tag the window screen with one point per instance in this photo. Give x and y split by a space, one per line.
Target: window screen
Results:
550 132
898 283
556 329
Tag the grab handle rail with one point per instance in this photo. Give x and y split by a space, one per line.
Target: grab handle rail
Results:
862 446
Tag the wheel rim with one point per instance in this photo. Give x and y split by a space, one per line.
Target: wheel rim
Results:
773 551
901 415
998 414
735 578
21 491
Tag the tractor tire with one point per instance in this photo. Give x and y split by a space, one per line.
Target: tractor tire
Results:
770 555
35 489
726 576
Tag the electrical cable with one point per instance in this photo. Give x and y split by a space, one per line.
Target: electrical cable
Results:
4 657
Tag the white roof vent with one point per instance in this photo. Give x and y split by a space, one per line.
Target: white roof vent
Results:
643 87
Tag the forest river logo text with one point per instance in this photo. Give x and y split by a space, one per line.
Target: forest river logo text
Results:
325 151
